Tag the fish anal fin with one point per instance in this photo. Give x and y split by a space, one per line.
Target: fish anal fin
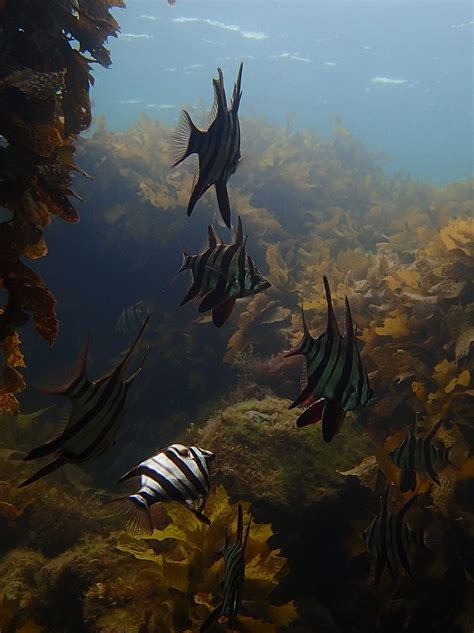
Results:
212 300
211 618
222 312
312 414
333 417
186 140
407 480
46 470
223 202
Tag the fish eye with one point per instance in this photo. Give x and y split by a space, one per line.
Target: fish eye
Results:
183 451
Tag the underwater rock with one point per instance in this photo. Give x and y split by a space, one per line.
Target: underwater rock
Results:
263 457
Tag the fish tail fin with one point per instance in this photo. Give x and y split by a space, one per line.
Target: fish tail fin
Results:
333 417
407 480
211 618
187 262
186 140
49 468
135 511
312 414
223 202
456 454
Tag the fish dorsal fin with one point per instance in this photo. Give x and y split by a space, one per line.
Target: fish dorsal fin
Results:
67 388
240 526
239 233
246 537
212 237
306 338
406 506
219 93
349 325
332 326
131 378
237 93
434 429
384 499
213 113
122 365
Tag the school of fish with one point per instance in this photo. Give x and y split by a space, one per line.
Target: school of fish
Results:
334 381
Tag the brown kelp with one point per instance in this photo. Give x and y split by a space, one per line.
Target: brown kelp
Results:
44 104
181 563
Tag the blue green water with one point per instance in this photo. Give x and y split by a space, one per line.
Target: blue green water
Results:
398 74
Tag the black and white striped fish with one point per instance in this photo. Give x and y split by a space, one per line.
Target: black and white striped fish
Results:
424 455
389 539
218 147
177 473
334 378
96 414
221 274
234 576
132 318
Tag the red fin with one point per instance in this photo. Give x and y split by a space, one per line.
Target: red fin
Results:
312 414
333 417
222 312
136 513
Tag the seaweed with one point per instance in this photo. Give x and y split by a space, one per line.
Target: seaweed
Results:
44 104
181 570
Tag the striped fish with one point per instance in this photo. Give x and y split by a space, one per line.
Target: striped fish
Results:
218 147
423 454
334 379
389 539
177 473
234 576
96 414
221 274
132 318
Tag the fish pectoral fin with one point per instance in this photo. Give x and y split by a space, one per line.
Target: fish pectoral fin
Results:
407 480
312 414
49 468
212 300
136 513
186 140
333 417
222 312
223 202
